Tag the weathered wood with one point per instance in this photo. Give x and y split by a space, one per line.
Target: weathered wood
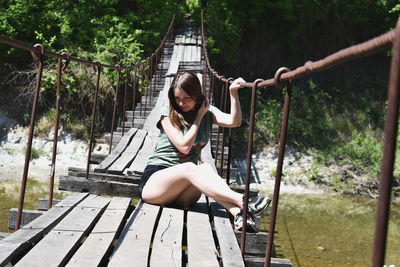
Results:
116 152
66 236
27 217
99 187
134 243
200 240
43 203
97 158
23 239
140 161
230 250
167 243
3 235
122 178
129 154
253 261
256 243
97 246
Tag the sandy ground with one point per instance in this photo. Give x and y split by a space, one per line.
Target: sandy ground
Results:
13 142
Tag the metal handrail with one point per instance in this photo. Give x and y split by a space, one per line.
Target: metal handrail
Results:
378 44
39 53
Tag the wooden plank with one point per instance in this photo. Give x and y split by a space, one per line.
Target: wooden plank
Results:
140 162
61 242
43 203
116 152
194 53
129 154
173 66
150 143
198 53
100 187
255 261
167 243
96 247
229 247
200 240
27 217
134 243
97 158
23 239
187 53
256 243
81 172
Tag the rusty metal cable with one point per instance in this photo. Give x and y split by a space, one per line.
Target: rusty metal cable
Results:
375 45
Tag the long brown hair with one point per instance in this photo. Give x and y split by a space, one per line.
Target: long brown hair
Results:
189 83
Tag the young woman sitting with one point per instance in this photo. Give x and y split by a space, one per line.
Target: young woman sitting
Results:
172 174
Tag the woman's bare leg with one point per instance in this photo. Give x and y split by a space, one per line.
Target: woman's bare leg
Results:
168 185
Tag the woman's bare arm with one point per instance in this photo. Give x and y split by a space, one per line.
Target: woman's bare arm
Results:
184 142
234 118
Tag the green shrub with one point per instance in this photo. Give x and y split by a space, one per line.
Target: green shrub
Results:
35 153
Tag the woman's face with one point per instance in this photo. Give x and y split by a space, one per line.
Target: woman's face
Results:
183 100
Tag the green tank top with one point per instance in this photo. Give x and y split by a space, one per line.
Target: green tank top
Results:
166 154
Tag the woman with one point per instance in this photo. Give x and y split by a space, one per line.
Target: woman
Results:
172 174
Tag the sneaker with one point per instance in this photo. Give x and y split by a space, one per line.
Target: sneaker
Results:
258 205
250 224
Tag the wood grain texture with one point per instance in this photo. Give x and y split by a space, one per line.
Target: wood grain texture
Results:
134 243
22 240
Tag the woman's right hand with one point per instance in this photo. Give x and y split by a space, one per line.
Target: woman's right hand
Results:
205 106
235 85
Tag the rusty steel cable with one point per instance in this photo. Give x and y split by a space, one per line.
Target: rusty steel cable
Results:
134 96
37 56
115 106
124 106
60 69
389 152
281 153
39 53
92 125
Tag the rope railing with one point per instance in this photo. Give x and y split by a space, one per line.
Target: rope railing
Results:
148 66
381 43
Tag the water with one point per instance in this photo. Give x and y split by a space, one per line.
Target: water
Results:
311 230
9 197
326 230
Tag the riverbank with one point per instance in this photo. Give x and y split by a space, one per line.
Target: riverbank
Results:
301 175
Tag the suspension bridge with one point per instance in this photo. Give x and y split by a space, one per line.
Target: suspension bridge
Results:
99 224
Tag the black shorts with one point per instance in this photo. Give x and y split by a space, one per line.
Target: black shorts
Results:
148 171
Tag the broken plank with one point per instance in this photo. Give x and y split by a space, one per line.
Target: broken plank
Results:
167 243
129 154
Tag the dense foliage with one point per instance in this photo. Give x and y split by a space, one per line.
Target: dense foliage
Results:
111 31
338 113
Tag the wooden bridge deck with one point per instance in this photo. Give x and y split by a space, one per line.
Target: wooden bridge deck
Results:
91 230
87 229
